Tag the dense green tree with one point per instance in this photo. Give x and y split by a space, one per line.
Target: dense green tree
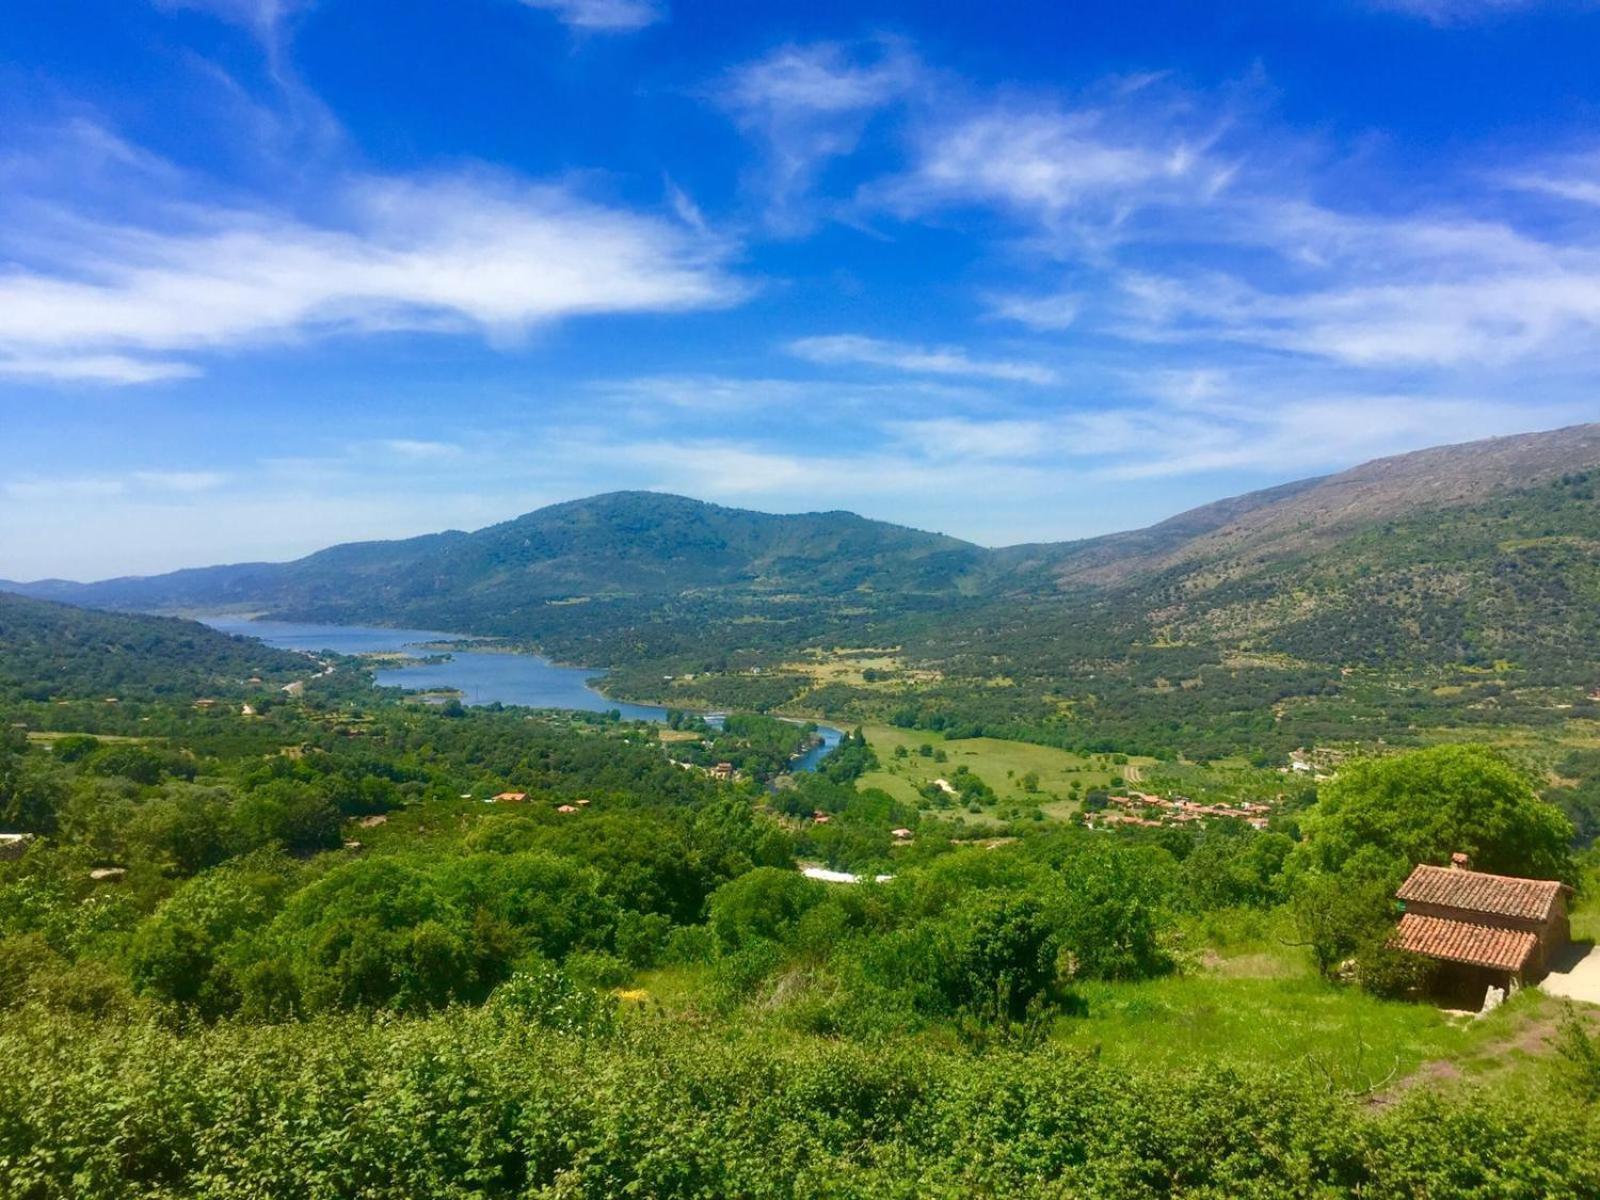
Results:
1115 911
186 829
1382 816
1005 955
297 816
190 951
765 903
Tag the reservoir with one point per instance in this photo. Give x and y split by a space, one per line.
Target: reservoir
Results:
481 676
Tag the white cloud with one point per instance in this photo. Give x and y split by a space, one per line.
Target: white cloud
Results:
450 253
673 396
924 360
1081 168
1456 12
92 368
184 482
1227 428
1576 178
50 490
261 16
1378 292
413 450
808 105
603 16
1046 162
1005 439
1055 311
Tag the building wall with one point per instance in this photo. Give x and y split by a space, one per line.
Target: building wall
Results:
1460 985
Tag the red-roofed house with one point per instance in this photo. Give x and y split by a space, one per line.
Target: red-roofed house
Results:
1486 930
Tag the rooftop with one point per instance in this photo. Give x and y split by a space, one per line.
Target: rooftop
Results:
1478 892
1465 941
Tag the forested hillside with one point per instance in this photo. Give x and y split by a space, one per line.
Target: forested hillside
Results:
1345 607
56 650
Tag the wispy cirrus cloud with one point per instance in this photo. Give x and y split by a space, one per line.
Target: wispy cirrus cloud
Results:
263 17
1227 426
603 16
854 349
183 482
1574 178
1044 311
1052 164
808 105
1428 291
53 489
419 450
174 483
1457 12
87 298
116 369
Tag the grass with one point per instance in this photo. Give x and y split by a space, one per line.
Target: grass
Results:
1251 999
46 737
1000 764
668 736
1586 911
1239 1020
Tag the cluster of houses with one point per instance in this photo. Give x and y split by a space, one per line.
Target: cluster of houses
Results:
1319 762
725 772
522 798
1143 808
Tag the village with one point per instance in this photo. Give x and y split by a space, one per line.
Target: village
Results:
1145 809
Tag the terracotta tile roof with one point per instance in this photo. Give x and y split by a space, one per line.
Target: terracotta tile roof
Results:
1474 891
1465 942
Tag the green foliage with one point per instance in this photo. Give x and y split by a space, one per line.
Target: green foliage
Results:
1337 915
1580 1055
1382 816
533 1097
48 651
545 996
189 951
1003 958
1113 916
289 814
251 1009
763 905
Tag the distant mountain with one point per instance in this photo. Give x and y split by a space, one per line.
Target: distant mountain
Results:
1462 550
1468 553
53 651
1313 513
614 560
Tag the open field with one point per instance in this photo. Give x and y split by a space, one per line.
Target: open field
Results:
46 737
1286 1019
1063 777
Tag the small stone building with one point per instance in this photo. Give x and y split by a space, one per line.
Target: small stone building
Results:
1486 930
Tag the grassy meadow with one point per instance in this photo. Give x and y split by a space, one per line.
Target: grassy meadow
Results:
1063 777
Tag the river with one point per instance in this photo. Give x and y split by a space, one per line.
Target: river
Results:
481 676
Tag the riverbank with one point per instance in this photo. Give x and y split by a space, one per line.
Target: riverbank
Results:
479 671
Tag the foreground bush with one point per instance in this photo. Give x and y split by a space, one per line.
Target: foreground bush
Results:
476 1103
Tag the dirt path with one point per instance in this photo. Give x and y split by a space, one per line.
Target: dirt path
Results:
1534 1038
1576 975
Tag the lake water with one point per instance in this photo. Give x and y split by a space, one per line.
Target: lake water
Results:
481 676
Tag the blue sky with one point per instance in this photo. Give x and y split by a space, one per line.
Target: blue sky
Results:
280 273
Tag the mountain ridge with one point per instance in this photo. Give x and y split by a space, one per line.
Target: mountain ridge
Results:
633 574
